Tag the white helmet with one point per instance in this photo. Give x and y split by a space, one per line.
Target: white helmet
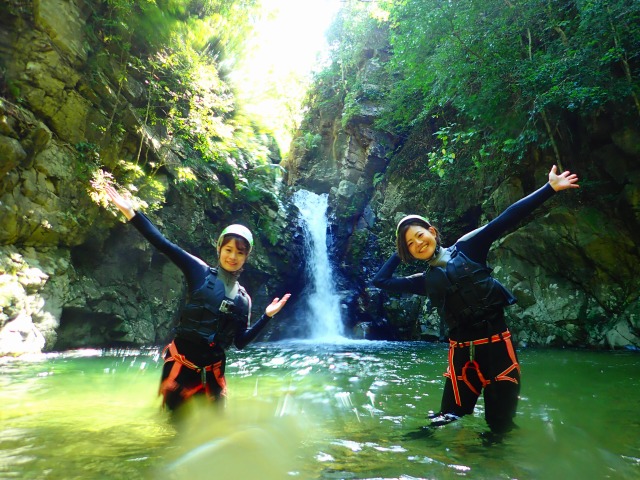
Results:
410 218
239 230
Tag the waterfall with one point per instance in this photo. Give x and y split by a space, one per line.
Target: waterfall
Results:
324 316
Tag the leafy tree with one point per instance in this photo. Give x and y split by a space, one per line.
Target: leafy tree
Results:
182 51
514 69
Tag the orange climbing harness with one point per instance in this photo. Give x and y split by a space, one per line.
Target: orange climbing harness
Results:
473 364
170 383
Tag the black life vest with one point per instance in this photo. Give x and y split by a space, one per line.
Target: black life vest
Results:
467 294
210 316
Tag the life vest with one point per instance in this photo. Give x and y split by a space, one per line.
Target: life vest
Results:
468 294
210 316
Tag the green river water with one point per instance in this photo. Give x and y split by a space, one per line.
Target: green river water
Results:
300 410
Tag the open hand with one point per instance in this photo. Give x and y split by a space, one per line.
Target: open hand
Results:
276 305
123 204
563 181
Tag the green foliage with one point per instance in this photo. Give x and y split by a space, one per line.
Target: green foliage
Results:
439 157
308 141
259 192
88 160
152 25
377 178
515 71
145 192
453 141
358 30
100 181
326 92
359 247
181 51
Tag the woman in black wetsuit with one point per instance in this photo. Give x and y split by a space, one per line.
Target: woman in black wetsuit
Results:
216 313
459 284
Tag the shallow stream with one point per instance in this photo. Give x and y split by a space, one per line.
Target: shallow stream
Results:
302 410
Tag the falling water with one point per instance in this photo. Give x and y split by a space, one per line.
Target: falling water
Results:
325 320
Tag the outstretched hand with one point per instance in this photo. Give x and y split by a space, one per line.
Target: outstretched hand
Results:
563 181
124 205
276 305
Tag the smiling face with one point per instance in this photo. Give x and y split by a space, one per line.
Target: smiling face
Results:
233 254
421 242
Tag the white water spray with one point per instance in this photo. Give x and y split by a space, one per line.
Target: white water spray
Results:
324 319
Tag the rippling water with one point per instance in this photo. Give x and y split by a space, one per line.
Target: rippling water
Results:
299 410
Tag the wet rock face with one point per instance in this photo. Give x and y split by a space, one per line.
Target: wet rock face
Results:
574 265
32 290
72 274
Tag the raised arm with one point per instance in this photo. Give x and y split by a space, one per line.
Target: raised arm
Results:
477 243
124 205
516 212
194 269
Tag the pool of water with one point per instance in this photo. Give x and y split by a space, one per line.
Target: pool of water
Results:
353 410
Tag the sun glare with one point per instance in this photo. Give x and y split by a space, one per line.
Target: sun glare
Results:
289 44
292 35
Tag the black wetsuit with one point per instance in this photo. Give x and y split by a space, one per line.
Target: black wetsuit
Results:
491 363
180 384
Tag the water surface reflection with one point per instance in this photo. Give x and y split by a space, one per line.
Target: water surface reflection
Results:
351 410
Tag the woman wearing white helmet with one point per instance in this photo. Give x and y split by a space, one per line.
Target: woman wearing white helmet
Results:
459 285
216 312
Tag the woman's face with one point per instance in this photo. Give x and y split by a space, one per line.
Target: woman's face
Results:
233 255
421 242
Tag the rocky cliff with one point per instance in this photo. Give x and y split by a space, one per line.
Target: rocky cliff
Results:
71 273
74 275
574 265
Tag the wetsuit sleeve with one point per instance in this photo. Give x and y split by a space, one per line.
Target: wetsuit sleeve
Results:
246 336
477 243
193 268
385 280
